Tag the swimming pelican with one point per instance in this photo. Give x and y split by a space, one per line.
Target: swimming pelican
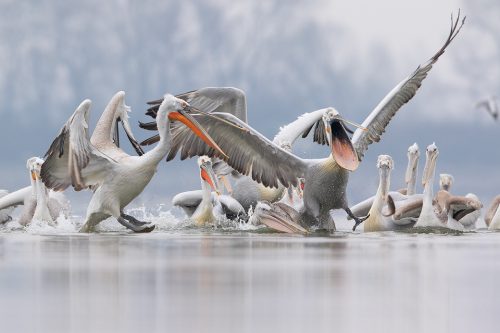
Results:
204 207
492 217
437 211
490 104
250 153
39 203
429 217
115 177
446 181
376 221
363 207
467 217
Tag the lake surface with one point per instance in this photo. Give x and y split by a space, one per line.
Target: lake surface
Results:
249 281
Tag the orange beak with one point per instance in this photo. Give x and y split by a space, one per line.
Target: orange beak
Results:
33 175
194 126
206 177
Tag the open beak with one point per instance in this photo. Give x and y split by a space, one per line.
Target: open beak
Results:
342 150
276 222
208 175
194 126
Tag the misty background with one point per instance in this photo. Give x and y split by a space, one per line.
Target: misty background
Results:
289 57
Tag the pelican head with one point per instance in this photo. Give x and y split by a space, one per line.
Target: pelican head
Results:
413 156
34 166
432 153
342 149
207 173
176 109
445 181
385 165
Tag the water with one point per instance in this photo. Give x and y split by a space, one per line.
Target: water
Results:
190 280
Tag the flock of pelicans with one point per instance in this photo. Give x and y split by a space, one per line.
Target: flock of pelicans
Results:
263 181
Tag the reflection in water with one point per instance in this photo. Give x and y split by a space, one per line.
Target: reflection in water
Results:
248 282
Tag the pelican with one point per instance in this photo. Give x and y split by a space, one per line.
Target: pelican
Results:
492 217
203 207
467 217
364 206
232 101
39 203
376 221
250 153
437 212
446 181
209 99
489 104
115 177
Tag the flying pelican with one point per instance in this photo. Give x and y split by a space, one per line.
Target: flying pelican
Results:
115 177
250 153
489 104
204 207
363 207
39 203
492 217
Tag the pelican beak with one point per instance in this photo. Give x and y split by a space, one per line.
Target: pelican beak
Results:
33 175
342 150
197 129
208 175
384 180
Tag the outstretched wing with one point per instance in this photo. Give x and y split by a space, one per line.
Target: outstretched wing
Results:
380 117
211 99
248 151
71 159
302 127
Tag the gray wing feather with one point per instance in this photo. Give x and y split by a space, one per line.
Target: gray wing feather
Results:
301 127
380 117
212 99
250 153
71 153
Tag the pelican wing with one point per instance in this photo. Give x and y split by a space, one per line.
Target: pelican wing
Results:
211 99
250 153
14 198
302 127
459 203
71 159
379 118
106 134
188 201
490 213
230 205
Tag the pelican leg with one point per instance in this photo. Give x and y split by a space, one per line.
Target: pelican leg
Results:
358 220
133 220
147 227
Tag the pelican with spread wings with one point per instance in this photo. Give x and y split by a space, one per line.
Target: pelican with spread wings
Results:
250 153
115 177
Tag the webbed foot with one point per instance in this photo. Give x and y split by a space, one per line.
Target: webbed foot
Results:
134 224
